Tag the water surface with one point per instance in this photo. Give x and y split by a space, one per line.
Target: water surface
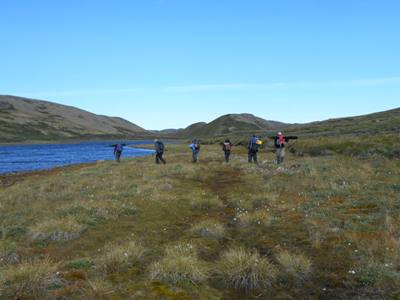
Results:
24 158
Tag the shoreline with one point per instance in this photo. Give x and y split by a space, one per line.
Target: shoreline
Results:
9 179
64 142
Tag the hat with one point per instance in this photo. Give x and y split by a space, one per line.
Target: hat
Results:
279 133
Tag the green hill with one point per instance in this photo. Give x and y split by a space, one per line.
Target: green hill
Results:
376 123
226 125
240 126
23 119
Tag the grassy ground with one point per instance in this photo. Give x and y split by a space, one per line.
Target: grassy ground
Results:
322 226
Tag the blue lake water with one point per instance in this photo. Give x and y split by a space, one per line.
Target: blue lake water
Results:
24 158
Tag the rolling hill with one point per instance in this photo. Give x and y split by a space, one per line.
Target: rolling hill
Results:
243 125
23 119
376 123
226 125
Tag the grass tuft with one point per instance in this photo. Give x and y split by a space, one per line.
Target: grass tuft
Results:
209 229
242 269
179 265
118 258
258 217
294 265
65 229
28 280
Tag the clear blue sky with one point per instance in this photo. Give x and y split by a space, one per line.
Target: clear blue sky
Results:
169 63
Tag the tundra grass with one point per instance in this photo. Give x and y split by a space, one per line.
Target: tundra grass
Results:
316 227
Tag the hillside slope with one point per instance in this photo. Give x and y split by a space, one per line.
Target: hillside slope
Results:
240 126
23 119
376 123
228 124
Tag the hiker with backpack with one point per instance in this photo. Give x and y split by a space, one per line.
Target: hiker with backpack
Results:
118 148
160 148
253 147
195 147
280 142
227 147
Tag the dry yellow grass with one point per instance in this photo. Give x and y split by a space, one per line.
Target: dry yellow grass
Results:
179 265
242 269
28 280
294 265
341 214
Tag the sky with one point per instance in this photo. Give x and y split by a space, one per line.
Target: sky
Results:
170 63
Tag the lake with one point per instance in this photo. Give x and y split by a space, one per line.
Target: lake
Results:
24 158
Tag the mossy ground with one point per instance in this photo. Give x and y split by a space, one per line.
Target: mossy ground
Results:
340 214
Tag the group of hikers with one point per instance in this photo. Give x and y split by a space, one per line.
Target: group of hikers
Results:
280 142
253 147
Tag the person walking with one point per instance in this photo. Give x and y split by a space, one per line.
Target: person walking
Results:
118 148
253 147
280 142
160 148
195 147
227 147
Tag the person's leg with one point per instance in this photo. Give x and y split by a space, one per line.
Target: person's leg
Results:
250 157
194 157
157 159
255 158
278 156
227 156
162 159
282 155
118 156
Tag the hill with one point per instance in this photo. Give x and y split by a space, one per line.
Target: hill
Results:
376 123
23 119
240 126
227 124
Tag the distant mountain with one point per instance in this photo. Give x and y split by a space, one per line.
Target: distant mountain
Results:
23 119
240 126
226 125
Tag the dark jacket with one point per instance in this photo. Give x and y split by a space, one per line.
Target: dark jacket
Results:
253 146
118 148
227 146
278 144
159 147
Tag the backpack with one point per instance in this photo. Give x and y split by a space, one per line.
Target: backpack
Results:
197 146
118 148
227 147
279 142
161 146
253 144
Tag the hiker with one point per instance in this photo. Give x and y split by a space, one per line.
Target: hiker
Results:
195 146
279 142
227 147
253 146
118 148
159 145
